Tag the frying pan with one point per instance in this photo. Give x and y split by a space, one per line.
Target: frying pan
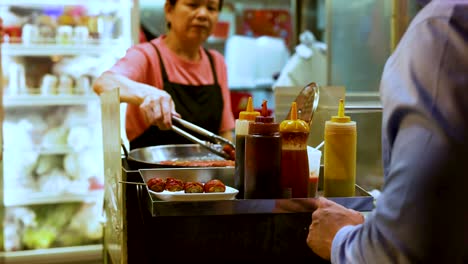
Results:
151 157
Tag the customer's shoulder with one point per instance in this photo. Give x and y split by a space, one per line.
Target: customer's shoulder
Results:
440 17
460 14
443 10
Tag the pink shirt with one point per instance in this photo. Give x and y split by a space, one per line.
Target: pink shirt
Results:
141 64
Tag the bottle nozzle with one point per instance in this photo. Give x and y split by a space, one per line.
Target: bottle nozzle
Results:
264 108
249 105
341 117
249 113
294 111
293 124
264 117
341 108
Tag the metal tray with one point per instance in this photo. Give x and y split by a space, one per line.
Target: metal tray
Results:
225 174
363 201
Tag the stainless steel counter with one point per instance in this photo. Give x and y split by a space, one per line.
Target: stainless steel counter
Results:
241 230
363 201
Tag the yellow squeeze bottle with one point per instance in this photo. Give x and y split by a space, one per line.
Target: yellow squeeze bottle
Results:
340 155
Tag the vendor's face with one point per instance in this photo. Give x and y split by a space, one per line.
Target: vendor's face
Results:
193 20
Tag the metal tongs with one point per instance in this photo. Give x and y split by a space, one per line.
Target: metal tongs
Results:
216 145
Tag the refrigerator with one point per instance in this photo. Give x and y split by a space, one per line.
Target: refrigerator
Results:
51 150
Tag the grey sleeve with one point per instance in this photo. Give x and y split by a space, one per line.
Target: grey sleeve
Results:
422 214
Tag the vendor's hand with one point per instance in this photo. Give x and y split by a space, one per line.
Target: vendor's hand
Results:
158 109
327 220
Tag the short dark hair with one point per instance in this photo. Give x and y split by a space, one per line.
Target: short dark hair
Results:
173 2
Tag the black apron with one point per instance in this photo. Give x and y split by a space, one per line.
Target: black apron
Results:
199 104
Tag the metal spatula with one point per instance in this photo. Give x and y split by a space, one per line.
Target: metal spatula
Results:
307 103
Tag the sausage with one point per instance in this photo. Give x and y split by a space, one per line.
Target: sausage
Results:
230 151
174 185
193 187
214 186
156 184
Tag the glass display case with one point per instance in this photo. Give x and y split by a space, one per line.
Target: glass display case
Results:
52 180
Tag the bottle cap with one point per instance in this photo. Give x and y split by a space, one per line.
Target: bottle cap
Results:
264 117
294 124
341 118
249 113
263 124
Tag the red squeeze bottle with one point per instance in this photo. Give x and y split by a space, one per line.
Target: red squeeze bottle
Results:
263 158
294 160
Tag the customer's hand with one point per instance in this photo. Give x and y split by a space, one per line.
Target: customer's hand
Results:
158 109
327 220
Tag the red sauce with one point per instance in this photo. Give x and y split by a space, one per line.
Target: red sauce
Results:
198 163
262 167
263 158
294 173
313 185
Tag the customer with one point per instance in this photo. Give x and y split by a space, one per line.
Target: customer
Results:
422 213
174 75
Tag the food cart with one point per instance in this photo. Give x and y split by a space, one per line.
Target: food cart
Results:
140 228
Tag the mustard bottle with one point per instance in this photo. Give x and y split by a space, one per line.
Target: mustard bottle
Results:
294 162
241 131
340 155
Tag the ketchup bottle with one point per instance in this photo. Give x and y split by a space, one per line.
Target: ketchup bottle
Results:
242 130
294 160
263 158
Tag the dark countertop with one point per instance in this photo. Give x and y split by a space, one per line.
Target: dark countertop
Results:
228 231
